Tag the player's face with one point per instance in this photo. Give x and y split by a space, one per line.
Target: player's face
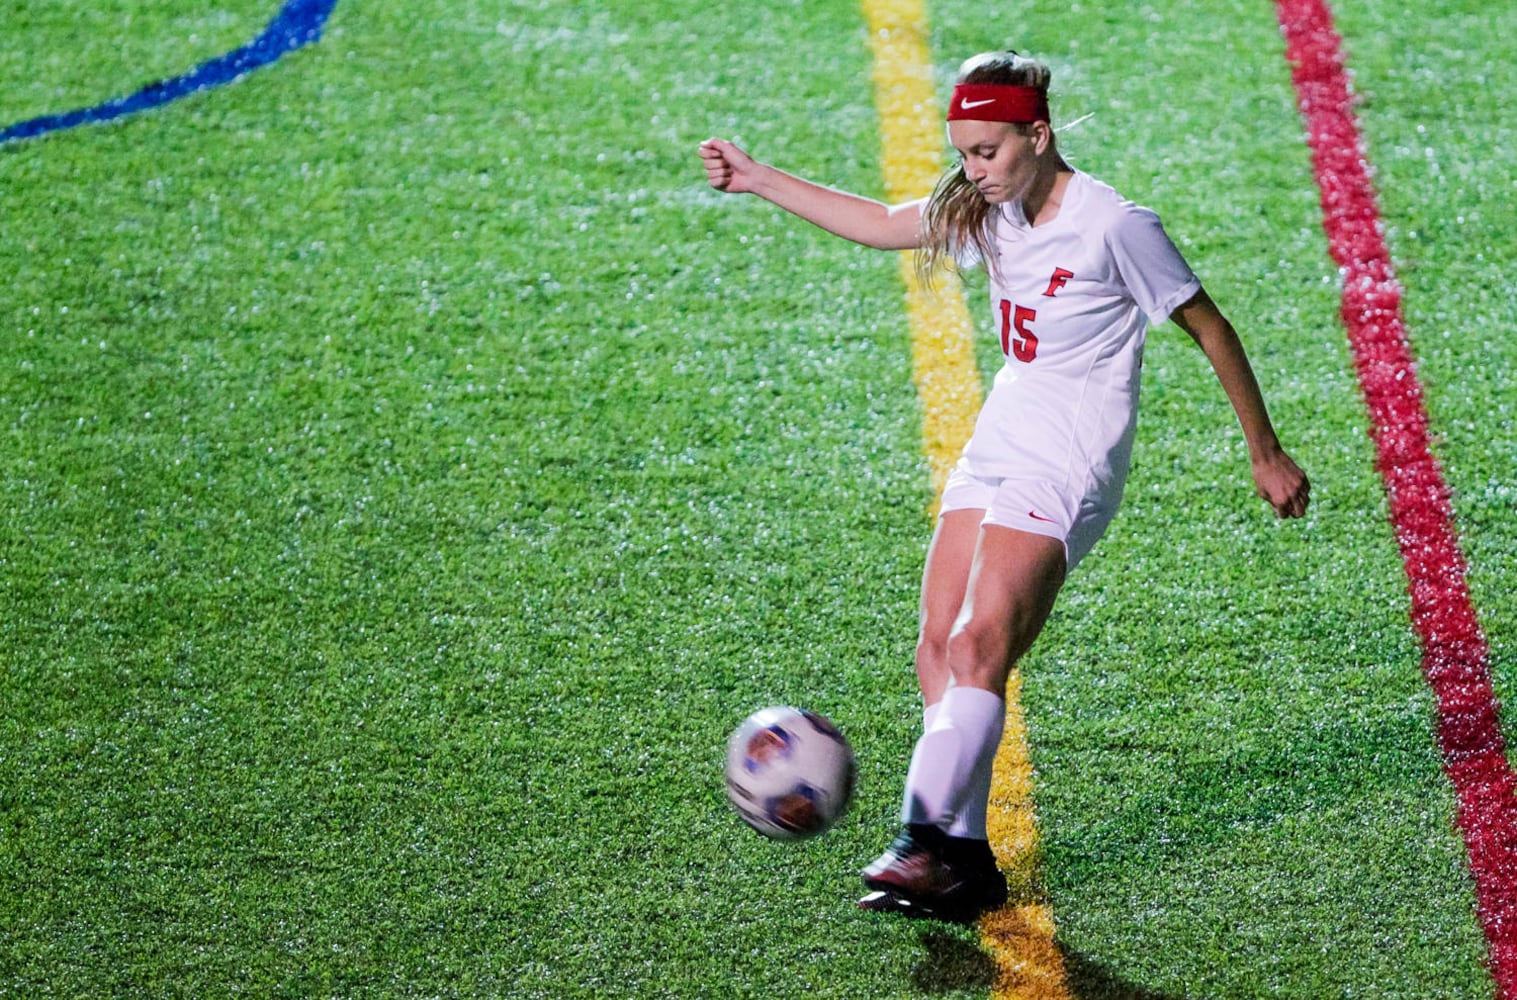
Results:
998 158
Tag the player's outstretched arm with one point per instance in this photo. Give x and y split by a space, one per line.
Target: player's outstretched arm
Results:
1277 478
862 220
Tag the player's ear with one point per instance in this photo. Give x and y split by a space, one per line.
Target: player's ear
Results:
1042 136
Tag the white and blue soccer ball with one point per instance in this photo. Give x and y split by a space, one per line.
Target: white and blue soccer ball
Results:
790 772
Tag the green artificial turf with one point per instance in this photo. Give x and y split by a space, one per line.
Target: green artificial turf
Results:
57 57
412 472
1437 123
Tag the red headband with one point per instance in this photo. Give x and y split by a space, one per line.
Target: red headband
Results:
995 102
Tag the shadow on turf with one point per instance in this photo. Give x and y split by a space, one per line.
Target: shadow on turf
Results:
952 963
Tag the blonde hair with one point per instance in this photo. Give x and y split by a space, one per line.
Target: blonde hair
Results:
957 218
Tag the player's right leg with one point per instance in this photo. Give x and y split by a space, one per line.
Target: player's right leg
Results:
910 870
945 579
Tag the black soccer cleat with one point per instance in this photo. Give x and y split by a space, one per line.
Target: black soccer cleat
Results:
926 873
913 864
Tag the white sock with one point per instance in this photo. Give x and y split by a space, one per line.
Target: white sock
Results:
987 718
930 715
948 783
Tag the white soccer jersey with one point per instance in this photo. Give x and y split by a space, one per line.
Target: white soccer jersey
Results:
1073 300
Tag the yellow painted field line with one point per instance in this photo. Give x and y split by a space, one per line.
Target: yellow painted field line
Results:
911 127
1019 936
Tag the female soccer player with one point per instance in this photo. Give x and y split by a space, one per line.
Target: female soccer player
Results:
1077 275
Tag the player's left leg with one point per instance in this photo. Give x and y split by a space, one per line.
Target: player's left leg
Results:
941 863
1013 583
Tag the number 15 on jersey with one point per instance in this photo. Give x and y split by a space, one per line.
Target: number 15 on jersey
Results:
1017 339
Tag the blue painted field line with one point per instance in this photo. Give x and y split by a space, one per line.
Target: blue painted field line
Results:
298 23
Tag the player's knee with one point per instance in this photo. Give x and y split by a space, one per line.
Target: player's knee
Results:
980 654
932 640
934 627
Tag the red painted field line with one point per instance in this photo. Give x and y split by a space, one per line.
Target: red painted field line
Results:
1455 657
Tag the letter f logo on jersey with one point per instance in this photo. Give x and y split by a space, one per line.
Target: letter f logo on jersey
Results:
1059 279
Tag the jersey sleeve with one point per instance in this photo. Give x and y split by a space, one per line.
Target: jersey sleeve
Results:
1150 265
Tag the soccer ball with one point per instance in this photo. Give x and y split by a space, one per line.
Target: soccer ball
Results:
789 772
